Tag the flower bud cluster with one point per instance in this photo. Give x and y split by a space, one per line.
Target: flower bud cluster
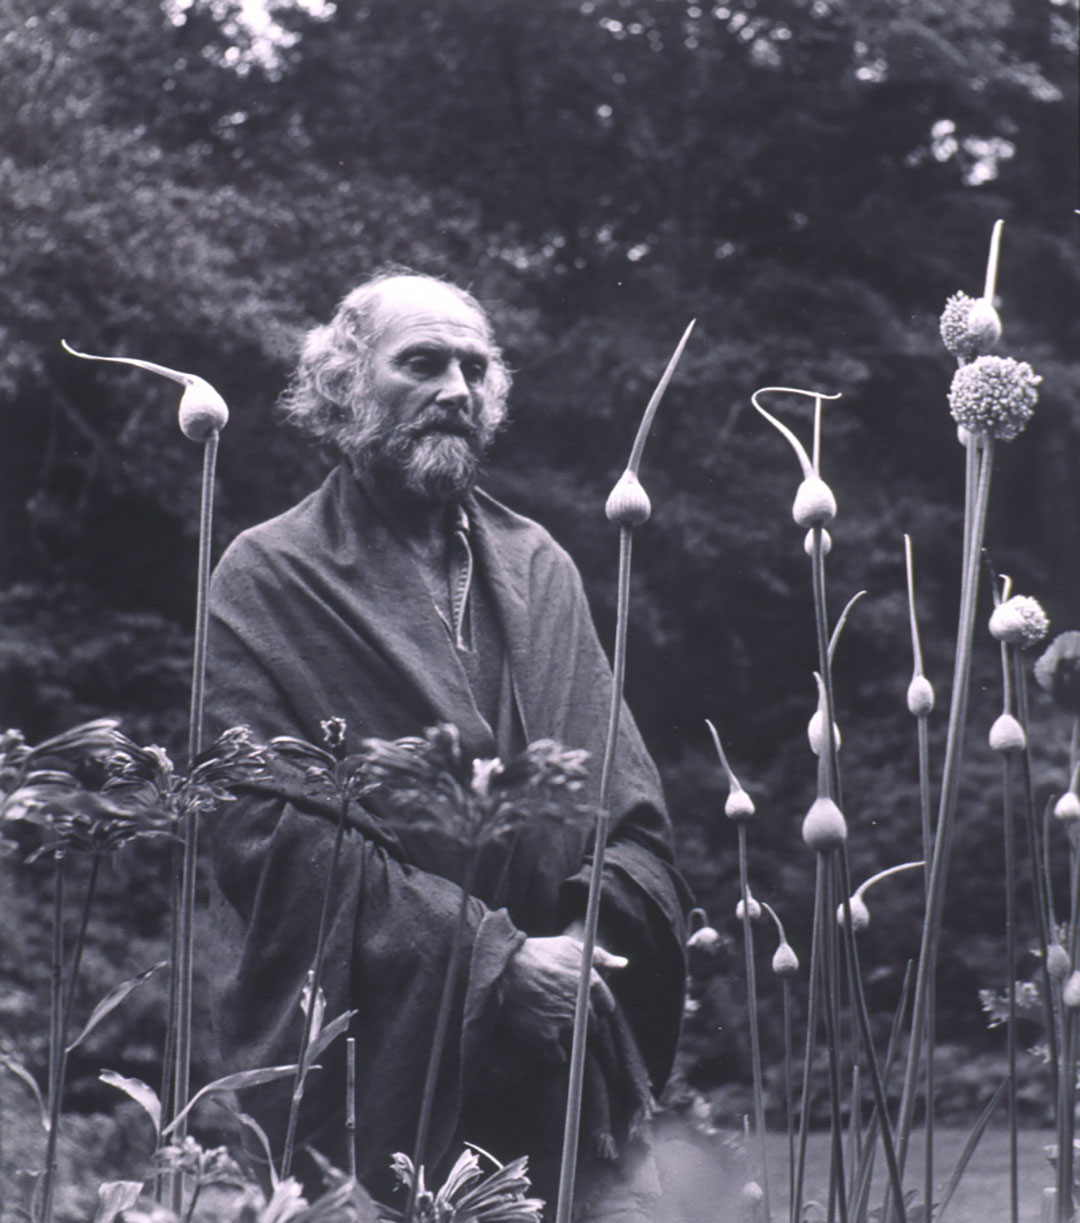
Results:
969 326
994 396
1058 670
1019 621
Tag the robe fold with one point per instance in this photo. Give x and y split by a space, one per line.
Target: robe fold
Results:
323 612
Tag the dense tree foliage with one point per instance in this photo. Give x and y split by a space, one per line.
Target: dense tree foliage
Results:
808 178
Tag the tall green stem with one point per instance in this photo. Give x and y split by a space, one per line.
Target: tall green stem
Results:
812 1017
922 1015
572 1127
755 1034
186 931
56 1034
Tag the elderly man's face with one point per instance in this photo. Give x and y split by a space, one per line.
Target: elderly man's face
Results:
428 385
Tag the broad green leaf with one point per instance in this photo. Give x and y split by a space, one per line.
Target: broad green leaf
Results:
231 1082
115 1196
139 1092
112 1000
24 1076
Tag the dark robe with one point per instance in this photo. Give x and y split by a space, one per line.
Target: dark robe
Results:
323 612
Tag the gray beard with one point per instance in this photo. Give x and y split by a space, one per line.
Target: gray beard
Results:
438 467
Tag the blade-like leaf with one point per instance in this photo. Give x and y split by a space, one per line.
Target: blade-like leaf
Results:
970 1145
115 1196
231 1082
139 1092
329 1034
24 1076
112 1000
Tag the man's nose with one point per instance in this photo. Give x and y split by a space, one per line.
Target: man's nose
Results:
453 388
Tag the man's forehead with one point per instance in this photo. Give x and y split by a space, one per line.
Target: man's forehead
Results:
408 308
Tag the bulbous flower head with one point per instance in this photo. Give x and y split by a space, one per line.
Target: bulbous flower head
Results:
739 806
920 697
704 939
1067 807
1058 670
814 504
785 963
1007 735
1058 963
753 908
995 396
628 503
969 326
824 827
860 914
1071 993
202 411
1019 621
826 542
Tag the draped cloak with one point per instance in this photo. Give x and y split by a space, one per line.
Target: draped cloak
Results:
324 612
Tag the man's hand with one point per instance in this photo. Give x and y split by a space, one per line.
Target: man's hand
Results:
540 988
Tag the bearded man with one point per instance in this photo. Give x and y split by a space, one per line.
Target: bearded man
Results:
396 597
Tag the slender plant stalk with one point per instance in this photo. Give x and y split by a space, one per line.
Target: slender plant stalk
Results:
922 1013
1010 959
789 1102
1039 884
438 1040
189 870
572 1128
1067 1108
812 1019
56 1035
755 1033
315 982
830 968
350 1104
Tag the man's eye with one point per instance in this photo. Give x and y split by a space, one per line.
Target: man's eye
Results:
474 371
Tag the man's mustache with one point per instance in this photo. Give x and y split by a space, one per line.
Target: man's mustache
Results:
440 420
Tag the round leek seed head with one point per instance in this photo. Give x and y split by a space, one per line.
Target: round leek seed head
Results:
860 914
754 910
628 503
1058 963
705 939
739 805
1019 621
785 963
824 827
1071 993
969 326
202 411
826 542
1067 806
920 697
1058 670
995 396
1007 735
815 732
814 504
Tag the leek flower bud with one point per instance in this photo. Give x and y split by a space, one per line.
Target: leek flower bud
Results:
920 697
1058 963
824 827
739 805
1058 670
704 939
202 411
1071 993
826 542
1067 806
815 732
1007 735
969 326
785 963
1019 621
814 504
754 909
628 504
995 396
860 914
